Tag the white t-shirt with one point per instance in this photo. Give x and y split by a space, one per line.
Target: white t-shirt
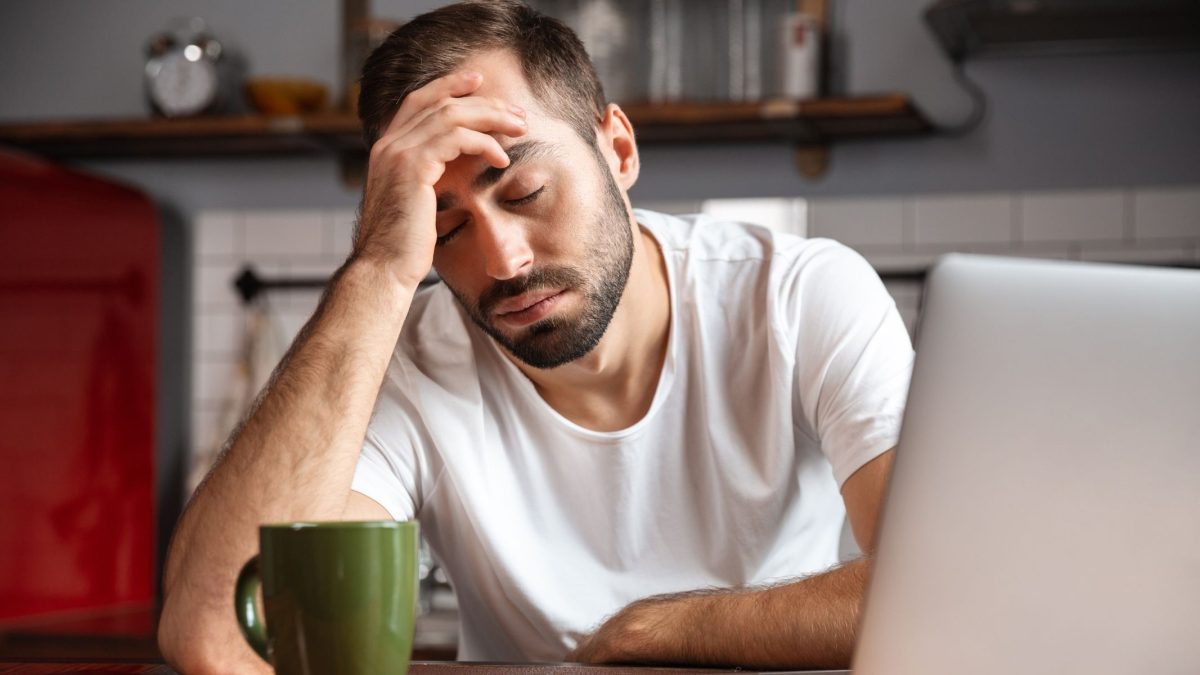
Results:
787 370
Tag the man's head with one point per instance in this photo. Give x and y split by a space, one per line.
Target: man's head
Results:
538 253
552 59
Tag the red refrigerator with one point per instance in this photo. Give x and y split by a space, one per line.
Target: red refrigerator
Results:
89 397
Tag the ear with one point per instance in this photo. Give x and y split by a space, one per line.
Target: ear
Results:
619 146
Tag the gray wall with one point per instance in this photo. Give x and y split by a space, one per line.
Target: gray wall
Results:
1075 122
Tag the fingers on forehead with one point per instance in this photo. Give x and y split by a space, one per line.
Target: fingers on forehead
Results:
456 84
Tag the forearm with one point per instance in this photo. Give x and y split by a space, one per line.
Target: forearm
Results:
810 623
295 455
300 444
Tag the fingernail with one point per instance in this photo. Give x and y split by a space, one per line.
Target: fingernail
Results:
516 109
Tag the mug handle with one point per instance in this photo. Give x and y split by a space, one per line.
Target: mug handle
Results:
245 602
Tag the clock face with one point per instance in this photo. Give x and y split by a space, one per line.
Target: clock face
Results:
180 86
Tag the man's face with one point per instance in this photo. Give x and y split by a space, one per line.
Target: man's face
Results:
537 253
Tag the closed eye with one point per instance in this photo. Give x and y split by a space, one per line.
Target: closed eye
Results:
520 201
446 238
527 198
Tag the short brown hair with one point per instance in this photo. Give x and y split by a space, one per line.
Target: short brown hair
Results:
436 43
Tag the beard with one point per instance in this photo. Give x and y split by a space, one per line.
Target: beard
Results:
600 281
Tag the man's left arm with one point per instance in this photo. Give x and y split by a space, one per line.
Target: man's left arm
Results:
810 623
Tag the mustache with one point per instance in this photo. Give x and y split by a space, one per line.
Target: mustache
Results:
545 277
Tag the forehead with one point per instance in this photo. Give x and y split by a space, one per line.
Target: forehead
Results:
503 78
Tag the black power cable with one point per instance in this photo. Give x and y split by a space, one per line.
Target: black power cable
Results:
979 106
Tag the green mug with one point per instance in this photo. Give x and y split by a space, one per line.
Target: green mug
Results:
339 597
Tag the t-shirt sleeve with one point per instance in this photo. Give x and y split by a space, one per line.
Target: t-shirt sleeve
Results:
389 466
853 356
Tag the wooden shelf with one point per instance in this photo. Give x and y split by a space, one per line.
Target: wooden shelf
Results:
196 137
812 122
803 123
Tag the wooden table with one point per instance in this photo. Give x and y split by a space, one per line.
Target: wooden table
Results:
123 642
417 668
128 635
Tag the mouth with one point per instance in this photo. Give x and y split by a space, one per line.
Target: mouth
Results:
528 307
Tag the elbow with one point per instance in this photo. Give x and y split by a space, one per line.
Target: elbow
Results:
195 660
187 646
186 656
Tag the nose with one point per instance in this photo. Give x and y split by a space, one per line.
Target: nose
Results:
504 246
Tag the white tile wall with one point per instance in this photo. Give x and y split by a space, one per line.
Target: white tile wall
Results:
785 214
218 334
204 425
212 284
861 222
1049 251
277 243
781 215
964 219
217 235
1095 215
1155 226
1169 212
339 232
1181 254
284 234
892 260
676 206
212 381
1146 226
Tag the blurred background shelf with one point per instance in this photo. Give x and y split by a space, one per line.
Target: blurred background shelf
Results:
986 28
812 122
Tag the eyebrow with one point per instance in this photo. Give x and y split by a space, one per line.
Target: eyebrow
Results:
519 152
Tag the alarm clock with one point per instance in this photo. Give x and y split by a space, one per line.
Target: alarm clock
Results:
188 72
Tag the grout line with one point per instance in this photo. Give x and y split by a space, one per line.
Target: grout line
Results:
908 223
1129 216
239 234
327 232
1017 204
800 214
217 260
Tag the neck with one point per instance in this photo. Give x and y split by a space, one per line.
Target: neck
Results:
613 386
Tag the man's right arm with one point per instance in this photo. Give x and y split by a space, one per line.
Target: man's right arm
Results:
293 459
295 456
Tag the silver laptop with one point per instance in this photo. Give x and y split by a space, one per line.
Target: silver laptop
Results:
1044 513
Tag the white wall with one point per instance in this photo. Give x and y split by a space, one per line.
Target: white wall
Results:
896 234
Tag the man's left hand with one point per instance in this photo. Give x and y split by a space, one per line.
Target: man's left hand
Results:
644 631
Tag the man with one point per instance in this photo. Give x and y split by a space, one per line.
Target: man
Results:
624 433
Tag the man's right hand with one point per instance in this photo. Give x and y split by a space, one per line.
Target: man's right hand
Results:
295 456
435 125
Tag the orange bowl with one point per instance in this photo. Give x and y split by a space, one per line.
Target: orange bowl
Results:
286 95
